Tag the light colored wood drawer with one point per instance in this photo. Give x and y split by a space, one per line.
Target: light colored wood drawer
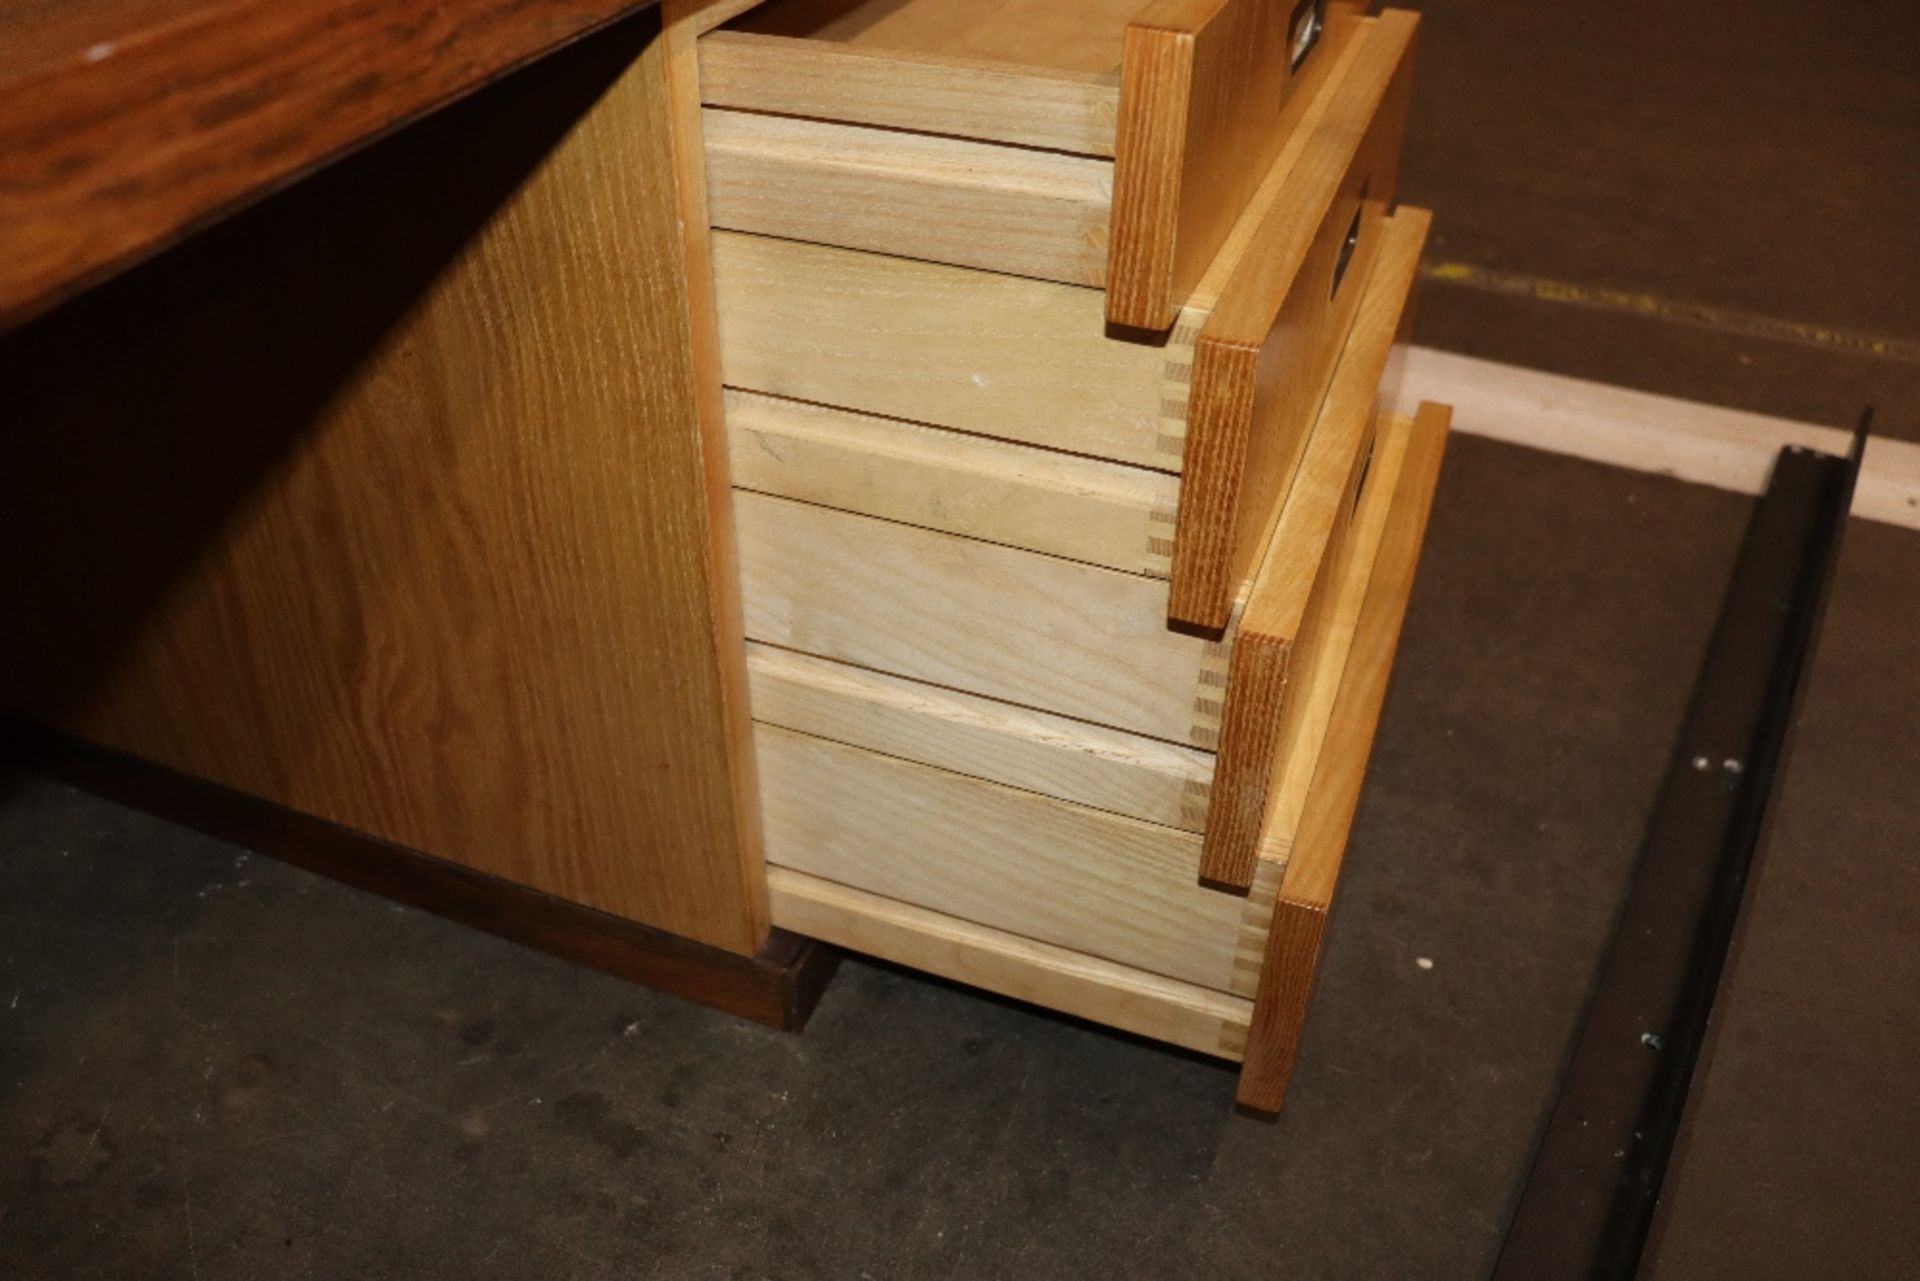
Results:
1030 362
1069 638
1013 860
1103 512
1262 361
1315 843
1068 905
1111 143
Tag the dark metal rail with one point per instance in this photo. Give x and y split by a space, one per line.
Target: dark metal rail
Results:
1590 1197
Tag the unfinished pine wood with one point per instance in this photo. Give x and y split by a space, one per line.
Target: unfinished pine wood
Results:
1062 504
1069 760
1067 111
1022 360
1084 35
1268 348
1078 640
975 204
1071 982
1284 619
438 561
1299 925
1208 96
1078 878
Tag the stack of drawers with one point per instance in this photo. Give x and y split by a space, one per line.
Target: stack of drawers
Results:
1073 543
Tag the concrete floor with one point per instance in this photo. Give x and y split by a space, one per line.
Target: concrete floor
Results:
212 1065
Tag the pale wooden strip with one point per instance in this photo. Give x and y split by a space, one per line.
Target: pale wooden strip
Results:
1070 982
1293 767
1078 878
1706 444
915 195
1298 928
1025 360
1283 625
1271 344
1070 760
1075 639
1026 106
1062 504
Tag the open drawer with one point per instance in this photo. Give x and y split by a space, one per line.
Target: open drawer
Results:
1110 143
862 570
833 351
1071 905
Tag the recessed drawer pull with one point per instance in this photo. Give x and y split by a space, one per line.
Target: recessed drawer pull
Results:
1348 244
1308 22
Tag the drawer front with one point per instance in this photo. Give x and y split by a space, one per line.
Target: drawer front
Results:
1265 355
1317 844
1286 615
1209 94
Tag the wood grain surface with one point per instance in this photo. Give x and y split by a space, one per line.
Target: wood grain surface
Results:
1015 210
1024 360
1070 111
1016 861
1208 97
1313 697
1041 632
1055 977
1061 504
1264 357
1084 35
1306 893
410 532
1069 760
1284 621
126 124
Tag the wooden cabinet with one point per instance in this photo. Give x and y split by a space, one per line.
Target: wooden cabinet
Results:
907 474
1051 619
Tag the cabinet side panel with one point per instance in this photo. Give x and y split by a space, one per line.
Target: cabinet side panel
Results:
389 501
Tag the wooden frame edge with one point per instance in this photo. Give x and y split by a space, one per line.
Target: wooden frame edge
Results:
682 22
1156 75
778 987
1306 890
